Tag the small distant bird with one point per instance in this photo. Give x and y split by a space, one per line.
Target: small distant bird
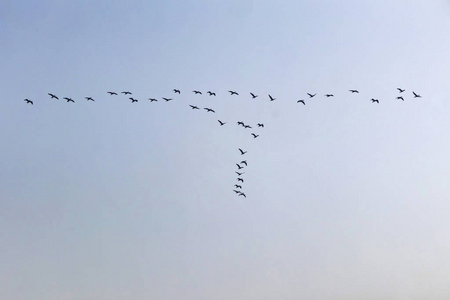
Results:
239 174
240 179
416 95
221 123
272 98
244 162
242 194
255 135
237 192
400 90
239 167
233 93
197 92
176 91
53 96
240 123
133 100
354 91
260 125
89 99
375 100
126 93
209 109
311 95
112 93
329 95
247 126
301 101
238 186
69 99
28 101
242 151
400 98
211 93
152 99
253 95
194 107
167 99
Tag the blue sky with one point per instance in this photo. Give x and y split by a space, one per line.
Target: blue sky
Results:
346 199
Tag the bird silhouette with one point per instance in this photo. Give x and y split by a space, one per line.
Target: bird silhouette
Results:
238 186
133 100
176 91
237 192
233 93
400 90
126 93
400 98
69 99
209 109
211 93
239 174
260 125
247 126
167 99
89 99
416 95
255 135
242 194
221 123
244 162
53 96
240 123
242 151
301 101
152 99
375 100
29 101
240 179
197 92
311 95
239 167
112 93
253 95
194 107
272 98
354 91
329 95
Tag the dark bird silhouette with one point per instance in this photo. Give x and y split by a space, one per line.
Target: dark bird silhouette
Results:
240 123
255 135
53 96
239 167
237 192
209 109
197 92
28 101
260 125
238 186
354 91
69 99
167 99
311 95
301 101
239 174
375 100
244 162
176 91
242 151
133 100
400 98
416 95
126 93
194 107
272 98
247 126
400 90
112 93
211 93
221 123
89 99
152 99
329 95
242 194
253 95
240 179
233 93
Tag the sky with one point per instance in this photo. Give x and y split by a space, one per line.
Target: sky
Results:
111 200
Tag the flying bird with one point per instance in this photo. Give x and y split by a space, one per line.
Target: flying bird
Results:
260 125
28 101
239 167
167 99
237 192
272 98
209 109
239 174
152 99
89 99
375 100
354 91
133 100
329 95
197 92
242 194
211 93
416 95
69 99
126 93
400 98
240 123
247 126
242 151
255 135
233 93
311 95
244 162
53 96
301 101
194 107
240 179
253 95
238 186
112 93
400 90
176 91
221 123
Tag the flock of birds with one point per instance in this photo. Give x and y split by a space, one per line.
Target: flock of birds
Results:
238 187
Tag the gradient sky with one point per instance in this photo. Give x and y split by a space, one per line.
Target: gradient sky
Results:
111 200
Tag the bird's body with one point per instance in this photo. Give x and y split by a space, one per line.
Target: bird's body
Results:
112 93
233 93
253 95
53 96
209 109
242 151
28 101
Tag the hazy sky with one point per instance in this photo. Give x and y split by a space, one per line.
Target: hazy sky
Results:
346 199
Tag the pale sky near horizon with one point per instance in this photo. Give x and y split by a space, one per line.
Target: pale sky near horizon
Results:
111 200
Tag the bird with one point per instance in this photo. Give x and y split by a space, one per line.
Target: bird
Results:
112 93
126 93
167 99
133 100
209 109
28 101
354 91
244 162
211 93
240 123
240 179
247 126
53 96
89 99
416 95
152 99
238 186
237 192
176 91
301 101
194 107
329 95
255 135
311 95
375 100
239 167
400 90
197 92
221 123
239 174
253 95
272 98
242 194
242 151
233 93
69 99
400 98
260 125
